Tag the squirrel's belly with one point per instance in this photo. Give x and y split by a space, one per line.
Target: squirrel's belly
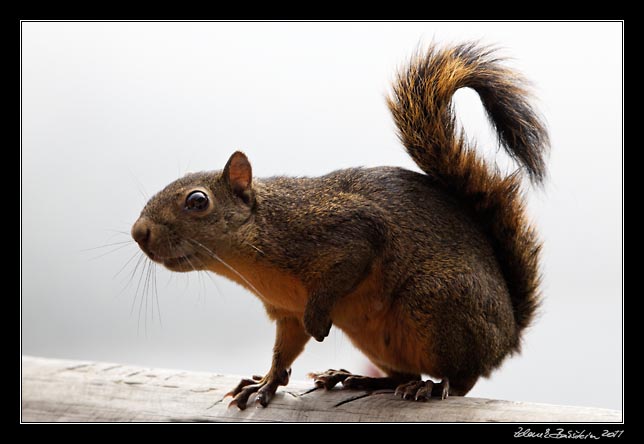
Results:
393 343
375 324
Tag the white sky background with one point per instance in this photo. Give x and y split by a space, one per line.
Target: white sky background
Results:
112 111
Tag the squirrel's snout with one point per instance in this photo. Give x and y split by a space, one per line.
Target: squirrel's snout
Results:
141 232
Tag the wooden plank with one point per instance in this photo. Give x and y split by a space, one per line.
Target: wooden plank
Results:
79 391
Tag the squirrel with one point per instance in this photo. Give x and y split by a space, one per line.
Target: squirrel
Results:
428 274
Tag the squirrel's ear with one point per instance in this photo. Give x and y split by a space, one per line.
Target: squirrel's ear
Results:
239 175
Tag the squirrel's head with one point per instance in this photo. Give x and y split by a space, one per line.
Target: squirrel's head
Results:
199 218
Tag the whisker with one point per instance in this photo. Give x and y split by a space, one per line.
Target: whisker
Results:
118 233
136 267
214 281
170 277
172 246
110 252
108 245
127 233
210 277
191 264
146 293
197 271
254 247
125 264
156 295
152 296
202 289
225 264
140 186
138 322
138 285
198 275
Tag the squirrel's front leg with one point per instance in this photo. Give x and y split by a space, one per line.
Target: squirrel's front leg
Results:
290 339
317 315
338 281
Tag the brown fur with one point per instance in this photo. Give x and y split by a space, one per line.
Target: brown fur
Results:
426 274
421 107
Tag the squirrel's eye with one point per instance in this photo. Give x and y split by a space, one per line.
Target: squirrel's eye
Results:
197 201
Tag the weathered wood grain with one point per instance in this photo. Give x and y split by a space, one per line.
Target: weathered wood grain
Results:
63 390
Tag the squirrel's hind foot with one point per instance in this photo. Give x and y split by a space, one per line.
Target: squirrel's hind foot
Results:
422 390
331 378
406 386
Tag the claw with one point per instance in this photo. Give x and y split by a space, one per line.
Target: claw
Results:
241 400
425 392
413 389
410 391
445 391
422 390
243 383
265 394
329 378
265 387
263 401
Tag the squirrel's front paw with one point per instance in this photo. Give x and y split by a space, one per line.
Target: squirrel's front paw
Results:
264 387
317 324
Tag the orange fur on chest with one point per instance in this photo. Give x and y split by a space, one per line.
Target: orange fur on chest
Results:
273 286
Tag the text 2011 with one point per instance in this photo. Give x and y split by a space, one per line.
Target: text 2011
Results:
612 433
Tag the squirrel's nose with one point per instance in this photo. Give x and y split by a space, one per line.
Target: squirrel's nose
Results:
141 231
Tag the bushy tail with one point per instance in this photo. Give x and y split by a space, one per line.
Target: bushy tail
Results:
421 105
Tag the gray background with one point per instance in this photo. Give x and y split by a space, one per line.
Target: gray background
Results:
112 112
